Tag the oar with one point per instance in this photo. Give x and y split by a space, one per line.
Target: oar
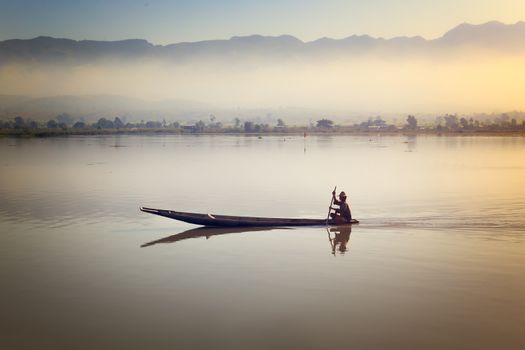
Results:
330 207
331 240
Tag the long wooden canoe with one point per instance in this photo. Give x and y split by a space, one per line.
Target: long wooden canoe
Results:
238 221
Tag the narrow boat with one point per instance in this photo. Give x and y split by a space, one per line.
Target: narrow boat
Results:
239 221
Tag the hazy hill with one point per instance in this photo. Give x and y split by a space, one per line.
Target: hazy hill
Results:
470 69
491 35
495 35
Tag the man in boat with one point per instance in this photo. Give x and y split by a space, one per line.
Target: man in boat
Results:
342 215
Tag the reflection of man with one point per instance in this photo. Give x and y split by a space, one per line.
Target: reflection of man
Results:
342 214
341 238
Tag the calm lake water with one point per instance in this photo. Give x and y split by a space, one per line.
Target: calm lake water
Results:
438 261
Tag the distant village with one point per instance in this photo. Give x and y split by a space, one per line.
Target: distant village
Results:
64 124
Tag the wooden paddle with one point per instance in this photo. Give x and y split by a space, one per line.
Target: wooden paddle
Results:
331 240
330 207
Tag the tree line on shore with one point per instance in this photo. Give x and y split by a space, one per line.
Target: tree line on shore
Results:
64 123
447 123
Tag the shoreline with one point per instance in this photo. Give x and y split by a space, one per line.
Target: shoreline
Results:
44 133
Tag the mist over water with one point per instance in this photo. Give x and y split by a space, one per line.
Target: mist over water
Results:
436 262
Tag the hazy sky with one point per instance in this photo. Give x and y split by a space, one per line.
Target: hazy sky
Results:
164 21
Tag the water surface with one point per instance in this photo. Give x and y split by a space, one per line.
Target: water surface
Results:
438 260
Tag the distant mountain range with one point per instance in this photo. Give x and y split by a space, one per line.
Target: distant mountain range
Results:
491 35
262 77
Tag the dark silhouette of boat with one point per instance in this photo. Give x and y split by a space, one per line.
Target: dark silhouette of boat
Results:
239 221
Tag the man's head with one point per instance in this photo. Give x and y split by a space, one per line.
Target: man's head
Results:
342 196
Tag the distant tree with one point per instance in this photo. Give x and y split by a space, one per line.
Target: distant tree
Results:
281 123
33 125
237 123
476 124
6 124
199 126
214 124
118 123
79 125
411 122
19 122
325 123
248 127
391 127
175 125
52 124
379 122
451 121
153 125
260 127
439 121
103 123
64 118
464 123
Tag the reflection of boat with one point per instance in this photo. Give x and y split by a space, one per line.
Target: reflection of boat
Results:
204 232
238 221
